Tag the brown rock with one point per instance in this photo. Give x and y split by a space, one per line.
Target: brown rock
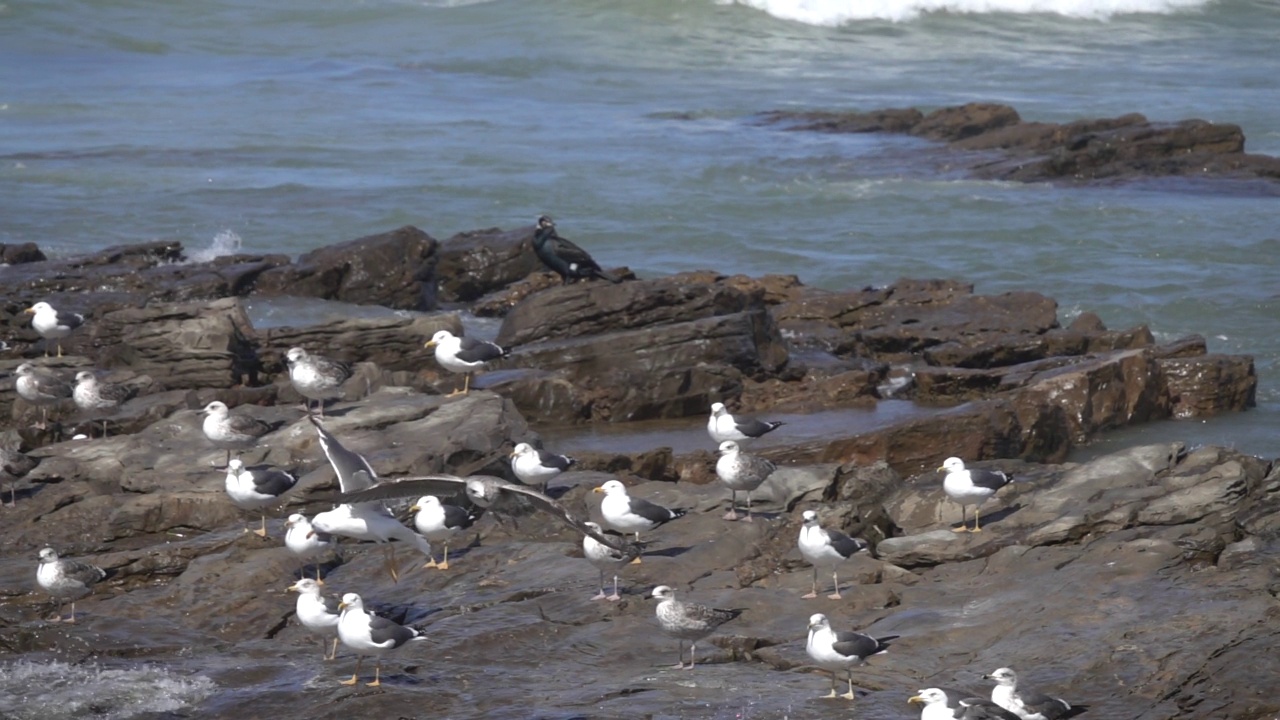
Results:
1210 385
479 262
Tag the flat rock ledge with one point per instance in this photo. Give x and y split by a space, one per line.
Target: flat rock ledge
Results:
991 141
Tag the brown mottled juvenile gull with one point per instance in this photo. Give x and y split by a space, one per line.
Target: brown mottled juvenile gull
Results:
40 387
231 431
316 377
688 621
741 471
66 579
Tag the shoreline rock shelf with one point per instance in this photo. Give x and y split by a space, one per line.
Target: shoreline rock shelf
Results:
1123 553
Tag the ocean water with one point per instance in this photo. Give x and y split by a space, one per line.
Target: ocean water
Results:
283 126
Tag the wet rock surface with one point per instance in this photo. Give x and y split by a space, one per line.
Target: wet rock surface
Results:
992 141
1141 583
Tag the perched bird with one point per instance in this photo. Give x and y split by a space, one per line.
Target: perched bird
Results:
841 651
826 548
943 704
464 355
723 426
318 613
231 431
564 258
1025 702
534 466
970 487
316 377
66 579
305 541
741 471
604 558
52 324
90 393
493 493
257 487
369 522
688 621
41 388
367 634
439 522
632 515
13 465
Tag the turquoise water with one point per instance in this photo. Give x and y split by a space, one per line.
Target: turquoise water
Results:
287 125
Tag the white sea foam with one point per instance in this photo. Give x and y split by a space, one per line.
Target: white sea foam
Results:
840 12
56 690
226 242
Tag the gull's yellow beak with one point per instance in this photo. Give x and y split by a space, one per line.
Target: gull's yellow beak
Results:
598 490
940 468
292 587
342 606
430 344
914 699
414 508
30 310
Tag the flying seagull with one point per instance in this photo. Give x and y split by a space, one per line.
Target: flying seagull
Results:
464 355
52 324
970 487
316 377
564 258
496 494
346 463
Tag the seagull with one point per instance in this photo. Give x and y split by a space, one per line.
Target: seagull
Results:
723 426
534 466
305 541
946 704
826 548
563 257
368 634
741 471
438 522
496 494
256 488
372 523
627 514
317 612
316 377
970 487
464 355
231 431
40 387
604 558
346 463
66 579
688 621
836 651
93 394
1025 702
53 325
13 465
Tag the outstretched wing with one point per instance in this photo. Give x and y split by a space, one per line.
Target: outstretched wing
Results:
408 487
346 463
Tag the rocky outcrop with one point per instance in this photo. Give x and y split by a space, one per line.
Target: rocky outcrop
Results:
993 142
